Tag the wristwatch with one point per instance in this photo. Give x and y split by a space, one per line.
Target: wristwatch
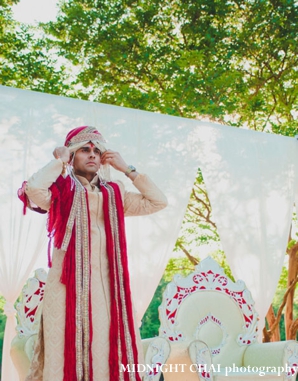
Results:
130 169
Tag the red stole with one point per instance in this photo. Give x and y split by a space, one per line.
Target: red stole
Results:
69 225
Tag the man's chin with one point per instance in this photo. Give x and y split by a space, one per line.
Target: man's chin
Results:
90 173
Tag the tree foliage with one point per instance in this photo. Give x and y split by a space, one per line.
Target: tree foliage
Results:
198 227
27 61
150 321
233 61
2 326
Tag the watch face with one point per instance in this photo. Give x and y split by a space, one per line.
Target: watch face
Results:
130 169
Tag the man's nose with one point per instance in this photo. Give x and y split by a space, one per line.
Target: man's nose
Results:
92 153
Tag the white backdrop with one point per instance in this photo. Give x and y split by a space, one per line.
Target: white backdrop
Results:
251 180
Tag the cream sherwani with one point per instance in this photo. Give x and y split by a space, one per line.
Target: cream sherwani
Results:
149 200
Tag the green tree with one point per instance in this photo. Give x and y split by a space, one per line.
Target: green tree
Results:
2 327
150 321
233 61
26 61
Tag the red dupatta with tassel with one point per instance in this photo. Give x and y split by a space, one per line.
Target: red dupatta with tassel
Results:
69 225
123 349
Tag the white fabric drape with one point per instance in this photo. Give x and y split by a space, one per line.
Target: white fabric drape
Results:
155 144
251 179
21 240
168 149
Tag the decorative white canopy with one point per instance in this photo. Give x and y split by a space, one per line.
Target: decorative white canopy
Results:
251 180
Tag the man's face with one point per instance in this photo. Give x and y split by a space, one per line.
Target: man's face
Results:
87 161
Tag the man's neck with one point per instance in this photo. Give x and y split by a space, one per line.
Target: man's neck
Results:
88 177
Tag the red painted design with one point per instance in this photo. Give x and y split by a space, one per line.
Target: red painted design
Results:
217 349
211 279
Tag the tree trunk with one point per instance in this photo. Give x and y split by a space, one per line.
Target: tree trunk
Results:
274 320
292 275
271 319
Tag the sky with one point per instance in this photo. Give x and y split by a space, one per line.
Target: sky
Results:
31 11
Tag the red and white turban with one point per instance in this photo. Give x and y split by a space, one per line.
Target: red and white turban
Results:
79 136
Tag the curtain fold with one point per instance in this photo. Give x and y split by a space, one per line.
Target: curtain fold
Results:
22 241
251 179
